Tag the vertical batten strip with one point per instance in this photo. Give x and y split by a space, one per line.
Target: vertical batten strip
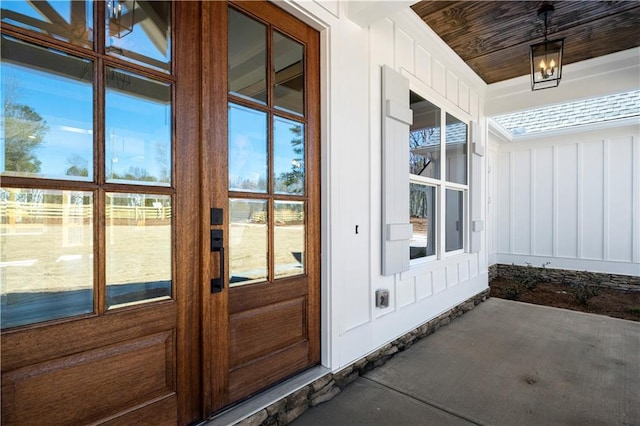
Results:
605 200
635 201
511 204
554 202
532 201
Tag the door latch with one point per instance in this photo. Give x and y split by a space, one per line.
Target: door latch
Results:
217 245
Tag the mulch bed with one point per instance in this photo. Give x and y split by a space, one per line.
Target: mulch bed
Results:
608 301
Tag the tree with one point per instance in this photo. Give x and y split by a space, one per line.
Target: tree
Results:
78 166
293 181
24 132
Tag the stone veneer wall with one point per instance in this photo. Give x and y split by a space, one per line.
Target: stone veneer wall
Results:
620 282
292 406
493 272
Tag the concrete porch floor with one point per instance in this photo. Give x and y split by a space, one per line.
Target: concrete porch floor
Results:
503 363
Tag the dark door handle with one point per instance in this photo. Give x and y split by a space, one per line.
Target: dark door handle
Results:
217 284
217 245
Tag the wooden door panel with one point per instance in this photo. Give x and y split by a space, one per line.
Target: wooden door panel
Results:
88 386
258 332
43 342
262 294
265 371
162 412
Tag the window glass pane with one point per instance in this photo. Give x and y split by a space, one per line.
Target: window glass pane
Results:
288 62
288 156
138 248
47 116
46 255
247 149
137 129
247 241
247 57
422 215
454 222
70 21
140 31
456 140
289 238
424 139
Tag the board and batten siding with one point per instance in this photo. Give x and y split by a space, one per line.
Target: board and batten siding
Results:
427 289
571 199
352 56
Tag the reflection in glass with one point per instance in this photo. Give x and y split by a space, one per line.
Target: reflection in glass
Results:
424 139
140 32
46 255
138 248
289 244
137 129
288 156
70 21
247 149
454 221
422 215
247 241
456 140
288 62
247 57
46 126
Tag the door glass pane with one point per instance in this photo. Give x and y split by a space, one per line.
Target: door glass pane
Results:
289 241
422 215
454 221
46 255
138 248
70 21
137 129
140 32
247 57
288 63
248 241
247 149
456 150
47 116
288 156
424 139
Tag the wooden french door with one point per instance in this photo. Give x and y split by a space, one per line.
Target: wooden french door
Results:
96 261
261 200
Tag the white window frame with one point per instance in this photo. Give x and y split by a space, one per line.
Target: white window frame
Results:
441 185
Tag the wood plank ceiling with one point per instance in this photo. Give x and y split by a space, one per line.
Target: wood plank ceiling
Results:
493 37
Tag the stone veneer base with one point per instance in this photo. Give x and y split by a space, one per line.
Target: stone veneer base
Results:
286 410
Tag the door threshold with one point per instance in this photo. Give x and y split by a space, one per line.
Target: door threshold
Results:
262 400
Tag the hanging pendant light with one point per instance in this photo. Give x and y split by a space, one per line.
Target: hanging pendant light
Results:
546 57
121 17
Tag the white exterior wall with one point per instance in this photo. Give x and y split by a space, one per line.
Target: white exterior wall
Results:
572 199
352 57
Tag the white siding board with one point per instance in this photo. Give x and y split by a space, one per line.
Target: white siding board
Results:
592 200
463 97
404 51
439 280
439 77
452 87
423 65
504 206
567 208
543 202
521 190
406 292
424 286
620 198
